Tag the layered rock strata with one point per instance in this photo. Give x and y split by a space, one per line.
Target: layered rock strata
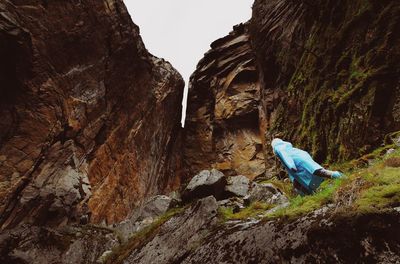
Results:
89 119
329 73
222 128
325 77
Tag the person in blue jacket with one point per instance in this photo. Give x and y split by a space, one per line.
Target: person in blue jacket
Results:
305 174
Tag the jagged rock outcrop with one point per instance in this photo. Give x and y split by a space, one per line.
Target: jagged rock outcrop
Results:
316 238
329 73
197 236
326 77
179 235
222 128
144 216
89 119
204 184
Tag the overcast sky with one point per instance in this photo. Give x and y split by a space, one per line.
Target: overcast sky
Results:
181 31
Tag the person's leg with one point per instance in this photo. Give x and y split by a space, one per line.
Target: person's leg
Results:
300 189
323 173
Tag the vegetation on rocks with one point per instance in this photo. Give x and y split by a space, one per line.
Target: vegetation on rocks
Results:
254 210
122 251
363 189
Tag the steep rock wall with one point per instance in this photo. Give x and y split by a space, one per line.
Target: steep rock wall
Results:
327 80
329 72
222 126
89 119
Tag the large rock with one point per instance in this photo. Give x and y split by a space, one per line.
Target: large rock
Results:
179 235
144 216
204 184
156 206
89 119
222 122
238 186
336 239
265 192
196 236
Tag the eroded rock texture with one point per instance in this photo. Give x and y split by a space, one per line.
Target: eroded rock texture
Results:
326 77
196 236
329 72
89 118
222 126
68 245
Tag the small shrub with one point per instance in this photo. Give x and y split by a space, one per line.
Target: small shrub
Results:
302 205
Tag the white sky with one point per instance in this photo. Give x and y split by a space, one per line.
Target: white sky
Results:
181 31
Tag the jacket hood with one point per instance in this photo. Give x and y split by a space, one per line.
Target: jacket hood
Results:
275 142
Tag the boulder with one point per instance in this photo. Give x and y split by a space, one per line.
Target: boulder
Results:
145 215
156 206
179 235
204 184
238 186
265 192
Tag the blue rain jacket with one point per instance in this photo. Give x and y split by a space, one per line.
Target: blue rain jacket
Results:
293 158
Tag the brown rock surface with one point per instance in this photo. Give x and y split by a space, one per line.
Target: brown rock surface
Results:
329 73
222 125
327 79
89 119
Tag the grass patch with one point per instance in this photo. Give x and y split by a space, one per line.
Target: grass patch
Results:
384 186
378 188
255 209
120 253
285 187
301 205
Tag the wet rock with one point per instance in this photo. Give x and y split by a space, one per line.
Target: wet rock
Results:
265 192
238 186
204 184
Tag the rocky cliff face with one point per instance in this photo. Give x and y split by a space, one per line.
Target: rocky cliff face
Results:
89 119
90 129
329 72
325 76
222 128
